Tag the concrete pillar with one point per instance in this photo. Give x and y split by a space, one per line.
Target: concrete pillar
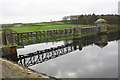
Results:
10 53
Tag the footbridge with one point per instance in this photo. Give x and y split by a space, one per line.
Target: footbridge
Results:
11 39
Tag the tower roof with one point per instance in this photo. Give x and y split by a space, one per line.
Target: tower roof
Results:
101 21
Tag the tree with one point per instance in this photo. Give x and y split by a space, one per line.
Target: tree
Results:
81 20
65 19
92 19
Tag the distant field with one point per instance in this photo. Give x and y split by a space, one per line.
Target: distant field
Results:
43 26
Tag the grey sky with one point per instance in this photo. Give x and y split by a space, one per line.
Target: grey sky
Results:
13 11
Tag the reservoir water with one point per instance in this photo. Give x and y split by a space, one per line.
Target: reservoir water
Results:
90 57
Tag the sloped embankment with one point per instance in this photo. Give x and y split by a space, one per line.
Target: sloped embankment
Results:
11 70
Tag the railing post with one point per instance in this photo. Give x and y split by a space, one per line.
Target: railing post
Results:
4 40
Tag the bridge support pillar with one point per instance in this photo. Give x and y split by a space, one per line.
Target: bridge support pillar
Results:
10 53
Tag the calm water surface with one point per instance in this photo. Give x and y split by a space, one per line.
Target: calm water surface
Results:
92 61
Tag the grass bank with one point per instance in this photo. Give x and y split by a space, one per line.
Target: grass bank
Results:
43 26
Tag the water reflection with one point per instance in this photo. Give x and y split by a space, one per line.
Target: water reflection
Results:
91 62
53 52
91 57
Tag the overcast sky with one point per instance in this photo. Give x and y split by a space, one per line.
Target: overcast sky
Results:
27 11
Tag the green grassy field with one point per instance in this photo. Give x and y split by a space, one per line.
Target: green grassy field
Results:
43 26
